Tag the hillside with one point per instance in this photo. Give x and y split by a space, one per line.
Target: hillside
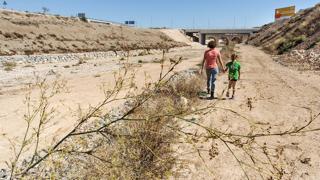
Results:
295 40
26 33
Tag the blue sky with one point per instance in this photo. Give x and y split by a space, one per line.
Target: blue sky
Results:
169 13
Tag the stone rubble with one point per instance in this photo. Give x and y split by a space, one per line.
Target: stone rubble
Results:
301 59
54 58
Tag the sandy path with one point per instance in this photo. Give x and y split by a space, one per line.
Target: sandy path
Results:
84 87
282 99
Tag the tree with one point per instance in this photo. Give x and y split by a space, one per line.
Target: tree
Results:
5 4
45 10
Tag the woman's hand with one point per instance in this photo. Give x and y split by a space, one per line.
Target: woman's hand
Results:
224 70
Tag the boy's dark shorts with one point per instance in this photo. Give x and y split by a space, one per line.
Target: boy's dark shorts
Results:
233 80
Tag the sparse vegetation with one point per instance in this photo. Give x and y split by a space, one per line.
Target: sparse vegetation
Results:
9 65
144 53
29 66
81 61
313 44
227 51
94 37
290 43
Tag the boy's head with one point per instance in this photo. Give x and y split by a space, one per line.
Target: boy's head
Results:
234 57
212 44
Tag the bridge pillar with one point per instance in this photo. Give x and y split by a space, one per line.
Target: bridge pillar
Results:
202 38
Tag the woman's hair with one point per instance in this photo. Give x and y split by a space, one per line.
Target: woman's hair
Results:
212 44
234 56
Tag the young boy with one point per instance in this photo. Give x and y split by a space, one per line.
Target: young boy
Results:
234 73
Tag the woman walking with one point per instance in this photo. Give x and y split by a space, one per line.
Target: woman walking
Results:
211 59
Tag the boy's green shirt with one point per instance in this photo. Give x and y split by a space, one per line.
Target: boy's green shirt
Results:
234 68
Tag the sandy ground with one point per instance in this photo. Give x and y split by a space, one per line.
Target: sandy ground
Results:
84 83
281 100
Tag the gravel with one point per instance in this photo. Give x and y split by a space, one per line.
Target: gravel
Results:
52 58
300 59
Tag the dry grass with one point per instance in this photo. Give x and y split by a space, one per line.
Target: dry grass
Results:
81 61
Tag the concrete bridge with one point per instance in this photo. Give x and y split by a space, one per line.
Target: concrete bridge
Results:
226 35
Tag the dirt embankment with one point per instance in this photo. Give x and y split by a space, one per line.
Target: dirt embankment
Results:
24 33
295 40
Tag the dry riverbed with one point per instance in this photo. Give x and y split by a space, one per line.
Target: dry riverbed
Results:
84 82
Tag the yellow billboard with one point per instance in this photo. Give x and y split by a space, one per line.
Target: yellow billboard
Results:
286 12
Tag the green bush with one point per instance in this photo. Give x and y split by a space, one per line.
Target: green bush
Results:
290 43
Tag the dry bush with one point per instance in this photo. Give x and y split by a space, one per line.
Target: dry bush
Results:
30 52
227 51
140 149
103 145
184 86
144 53
18 35
81 61
29 66
9 65
39 112
189 88
8 35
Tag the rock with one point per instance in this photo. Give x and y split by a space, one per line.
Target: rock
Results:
3 174
51 72
183 101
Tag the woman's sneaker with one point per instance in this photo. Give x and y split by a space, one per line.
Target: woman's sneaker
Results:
212 95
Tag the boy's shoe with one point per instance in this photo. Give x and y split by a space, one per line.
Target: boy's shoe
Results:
232 97
228 94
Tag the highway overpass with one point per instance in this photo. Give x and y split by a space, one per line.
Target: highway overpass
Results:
236 35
